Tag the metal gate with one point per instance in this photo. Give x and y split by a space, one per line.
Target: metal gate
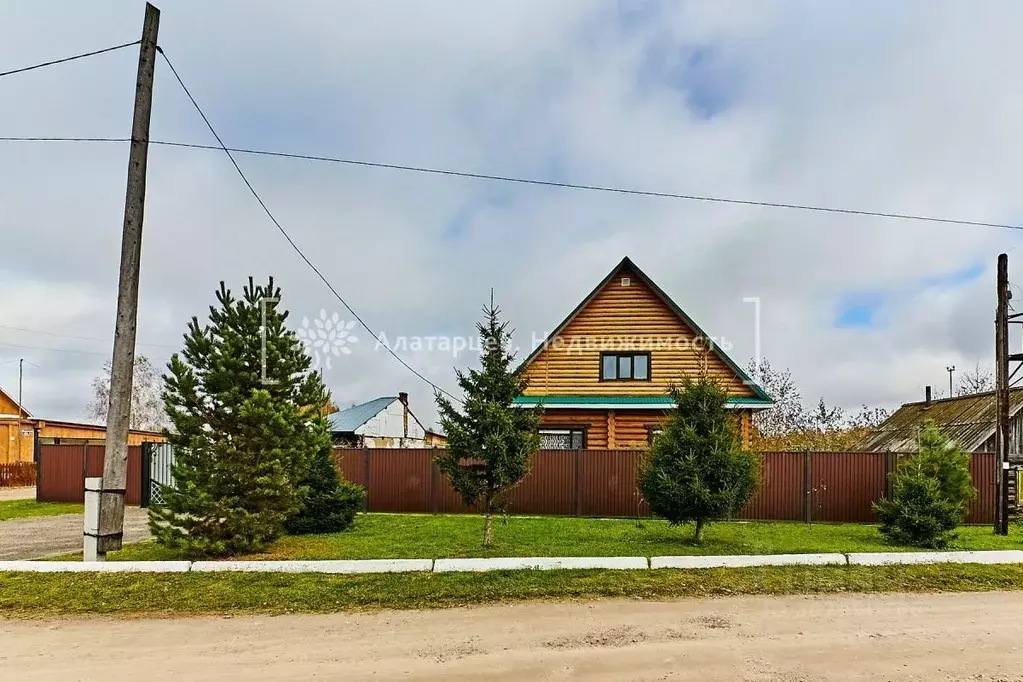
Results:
157 460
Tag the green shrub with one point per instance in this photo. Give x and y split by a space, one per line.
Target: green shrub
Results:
696 470
930 493
330 502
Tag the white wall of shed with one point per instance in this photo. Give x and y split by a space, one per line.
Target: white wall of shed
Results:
388 423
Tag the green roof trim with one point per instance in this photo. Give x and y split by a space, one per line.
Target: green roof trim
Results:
652 400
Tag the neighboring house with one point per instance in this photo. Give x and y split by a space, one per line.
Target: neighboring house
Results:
20 432
381 423
17 431
603 374
969 420
436 439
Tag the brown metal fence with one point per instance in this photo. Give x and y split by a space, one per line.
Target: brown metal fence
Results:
17 474
794 486
62 469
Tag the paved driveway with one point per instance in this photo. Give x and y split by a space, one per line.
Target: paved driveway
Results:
40 536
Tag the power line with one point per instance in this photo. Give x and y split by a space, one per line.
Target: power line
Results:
53 350
541 183
284 232
73 336
67 59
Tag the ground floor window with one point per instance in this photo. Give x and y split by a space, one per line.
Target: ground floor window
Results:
562 439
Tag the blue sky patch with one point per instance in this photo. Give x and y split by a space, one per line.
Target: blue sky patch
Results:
863 309
859 311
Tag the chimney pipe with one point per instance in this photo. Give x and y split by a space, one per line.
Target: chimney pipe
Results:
927 395
403 397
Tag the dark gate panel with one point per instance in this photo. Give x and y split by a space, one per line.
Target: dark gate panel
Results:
62 471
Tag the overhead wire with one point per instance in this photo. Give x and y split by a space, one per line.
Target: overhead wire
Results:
287 236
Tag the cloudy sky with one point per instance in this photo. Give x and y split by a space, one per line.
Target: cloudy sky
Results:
904 107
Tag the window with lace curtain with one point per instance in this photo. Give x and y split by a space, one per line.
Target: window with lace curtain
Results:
562 439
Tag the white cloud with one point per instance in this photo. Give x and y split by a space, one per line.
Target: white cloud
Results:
904 108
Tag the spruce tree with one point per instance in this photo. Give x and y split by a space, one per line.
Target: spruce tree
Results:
330 502
247 422
931 490
490 443
697 470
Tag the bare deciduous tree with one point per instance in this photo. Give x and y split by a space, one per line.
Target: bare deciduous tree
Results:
976 380
786 415
788 425
147 413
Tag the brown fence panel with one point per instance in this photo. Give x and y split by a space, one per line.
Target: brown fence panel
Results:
780 495
352 462
846 484
400 480
61 473
17 474
607 483
549 487
982 470
63 469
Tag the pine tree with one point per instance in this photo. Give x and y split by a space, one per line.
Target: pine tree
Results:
930 492
247 421
490 443
696 470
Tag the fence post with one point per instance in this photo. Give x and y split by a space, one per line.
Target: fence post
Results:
145 474
39 465
433 485
578 484
807 486
365 501
890 460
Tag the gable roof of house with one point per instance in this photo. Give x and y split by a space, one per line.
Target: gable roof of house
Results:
969 420
763 398
351 418
13 401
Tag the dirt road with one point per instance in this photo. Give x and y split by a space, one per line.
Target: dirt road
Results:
40 536
891 637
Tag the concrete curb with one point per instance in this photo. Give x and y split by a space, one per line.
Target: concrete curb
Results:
740 561
540 563
362 566
97 567
328 566
1004 556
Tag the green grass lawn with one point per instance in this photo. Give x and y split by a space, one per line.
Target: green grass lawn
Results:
413 536
40 595
19 509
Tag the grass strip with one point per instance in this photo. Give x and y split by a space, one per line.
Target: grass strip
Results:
40 595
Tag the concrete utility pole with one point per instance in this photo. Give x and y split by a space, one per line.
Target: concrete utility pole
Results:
951 370
104 515
1002 397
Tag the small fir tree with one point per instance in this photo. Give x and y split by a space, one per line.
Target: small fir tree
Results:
247 422
490 443
696 469
330 502
930 492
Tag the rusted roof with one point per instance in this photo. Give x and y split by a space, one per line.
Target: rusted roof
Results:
969 420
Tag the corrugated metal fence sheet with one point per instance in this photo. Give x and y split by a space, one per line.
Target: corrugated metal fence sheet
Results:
62 470
794 486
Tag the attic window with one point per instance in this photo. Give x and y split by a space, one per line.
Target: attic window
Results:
626 281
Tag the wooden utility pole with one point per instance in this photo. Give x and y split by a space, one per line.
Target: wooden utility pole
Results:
21 376
107 522
1002 397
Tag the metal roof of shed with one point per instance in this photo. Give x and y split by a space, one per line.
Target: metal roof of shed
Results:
351 418
969 420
